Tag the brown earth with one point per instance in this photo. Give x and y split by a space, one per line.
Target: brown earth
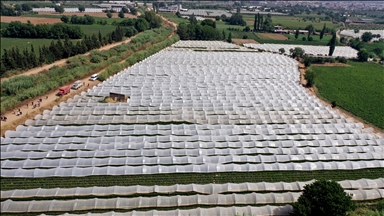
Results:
271 36
34 20
99 14
243 41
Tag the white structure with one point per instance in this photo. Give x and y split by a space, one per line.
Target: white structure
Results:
340 51
351 33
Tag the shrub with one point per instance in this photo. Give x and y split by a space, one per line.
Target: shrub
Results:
323 197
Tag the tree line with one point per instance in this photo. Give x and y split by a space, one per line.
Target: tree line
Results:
205 31
17 29
74 19
16 59
16 11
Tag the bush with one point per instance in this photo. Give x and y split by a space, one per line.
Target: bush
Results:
323 197
310 77
342 60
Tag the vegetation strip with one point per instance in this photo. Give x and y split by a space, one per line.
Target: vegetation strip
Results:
189 178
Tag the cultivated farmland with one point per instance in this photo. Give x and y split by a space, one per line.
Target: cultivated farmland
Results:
202 133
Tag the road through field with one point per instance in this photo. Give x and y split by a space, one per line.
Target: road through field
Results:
62 62
52 100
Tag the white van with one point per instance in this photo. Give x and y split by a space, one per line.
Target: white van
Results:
77 84
94 77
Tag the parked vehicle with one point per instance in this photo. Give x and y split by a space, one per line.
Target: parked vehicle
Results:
94 77
77 84
63 90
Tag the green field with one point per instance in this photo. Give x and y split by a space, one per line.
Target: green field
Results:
357 89
23 43
4 25
109 20
290 22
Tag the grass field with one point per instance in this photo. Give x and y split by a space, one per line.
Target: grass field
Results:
371 46
95 28
22 43
357 89
3 25
290 22
109 20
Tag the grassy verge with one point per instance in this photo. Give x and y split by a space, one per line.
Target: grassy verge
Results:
357 89
189 178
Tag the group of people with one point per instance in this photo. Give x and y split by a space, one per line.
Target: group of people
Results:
19 112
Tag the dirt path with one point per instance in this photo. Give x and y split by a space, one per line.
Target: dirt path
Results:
63 62
48 103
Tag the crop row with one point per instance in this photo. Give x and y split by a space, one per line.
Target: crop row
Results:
189 178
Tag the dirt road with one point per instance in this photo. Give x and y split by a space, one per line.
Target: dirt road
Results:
47 103
63 62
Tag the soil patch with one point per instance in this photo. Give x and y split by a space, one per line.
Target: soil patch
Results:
98 14
271 36
33 20
243 41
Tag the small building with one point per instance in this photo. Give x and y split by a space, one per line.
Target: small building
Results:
118 97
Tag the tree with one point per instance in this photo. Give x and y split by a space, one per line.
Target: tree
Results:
323 197
247 29
366 37
229 38
297 52
121 14
282 50
224 36
192 19
125 10
109 14
81 8
133 10
26 7
332 44
17 7
59 9
255 23
310 29
64 19
297 33
178 14
323 32
363 55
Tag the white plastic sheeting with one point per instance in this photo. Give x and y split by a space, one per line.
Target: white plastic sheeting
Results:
205 13
176 160
361 184
351 33
221 108
221 211
10 206
205 44
74 10
200 168
340 51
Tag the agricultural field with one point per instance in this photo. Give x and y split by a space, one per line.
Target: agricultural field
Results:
173 147
290 22
22 43
358 89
